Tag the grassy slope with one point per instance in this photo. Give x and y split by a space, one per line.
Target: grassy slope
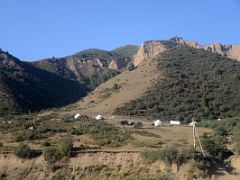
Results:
132 85
197 83
126 51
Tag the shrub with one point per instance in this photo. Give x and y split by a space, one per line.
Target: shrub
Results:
25 135
66 147
1 144
23 151
138 125
116 87
169 155
214 146
52 154
46 143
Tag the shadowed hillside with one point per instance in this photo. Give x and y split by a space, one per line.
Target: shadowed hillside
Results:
25 88
54 82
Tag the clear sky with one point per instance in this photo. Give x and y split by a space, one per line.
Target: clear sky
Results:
35 29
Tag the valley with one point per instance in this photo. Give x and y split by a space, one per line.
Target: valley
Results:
175 79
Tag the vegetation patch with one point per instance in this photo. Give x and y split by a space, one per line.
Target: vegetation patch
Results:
64 149
23 151
169 155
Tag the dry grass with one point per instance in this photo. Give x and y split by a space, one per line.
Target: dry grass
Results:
133 85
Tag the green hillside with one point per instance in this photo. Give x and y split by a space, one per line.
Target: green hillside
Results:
126 51
94 53
196 83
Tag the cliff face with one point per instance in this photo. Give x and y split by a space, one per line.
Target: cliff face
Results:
118 64
147 50
150 49
231 51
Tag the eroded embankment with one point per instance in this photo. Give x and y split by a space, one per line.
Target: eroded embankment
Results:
99 165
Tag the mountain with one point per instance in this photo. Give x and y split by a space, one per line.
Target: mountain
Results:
150 49
195 82
136 91
24 87
54 82
89 67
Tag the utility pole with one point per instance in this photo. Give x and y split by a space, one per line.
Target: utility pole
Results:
194 138
195 134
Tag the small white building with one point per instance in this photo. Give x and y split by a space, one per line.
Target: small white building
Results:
77 115
31 128
158 123
175 122
99 117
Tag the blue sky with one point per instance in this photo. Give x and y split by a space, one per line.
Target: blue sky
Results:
35 29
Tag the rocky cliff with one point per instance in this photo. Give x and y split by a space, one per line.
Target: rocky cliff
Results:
151 48
147 50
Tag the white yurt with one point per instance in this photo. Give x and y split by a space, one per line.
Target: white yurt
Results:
175 122
99 117
158 123
77 115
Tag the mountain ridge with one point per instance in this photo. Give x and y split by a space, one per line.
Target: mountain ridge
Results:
53 82
151 48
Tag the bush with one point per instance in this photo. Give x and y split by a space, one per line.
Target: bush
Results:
46 144
169 155
116 87
23 151
1 144
25 135
66 147
138 125
214 146
52 155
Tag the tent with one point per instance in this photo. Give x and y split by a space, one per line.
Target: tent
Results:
99 117
158 123
77 115
175 122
